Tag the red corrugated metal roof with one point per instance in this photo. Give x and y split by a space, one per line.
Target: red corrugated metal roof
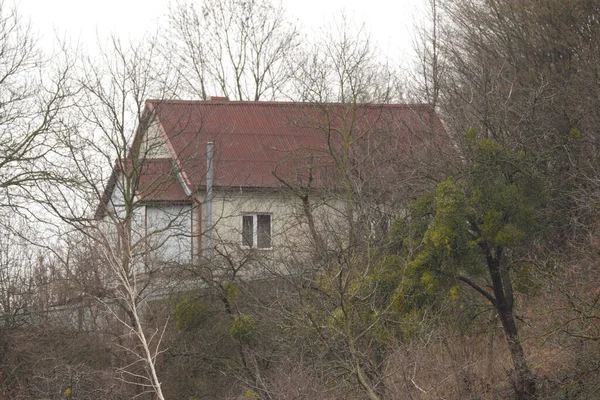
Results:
254 139
158 181
153 179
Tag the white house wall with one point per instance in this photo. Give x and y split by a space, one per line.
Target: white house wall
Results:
173 234
289 230
228 209
153 144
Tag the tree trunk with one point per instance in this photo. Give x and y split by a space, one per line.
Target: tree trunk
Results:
524 380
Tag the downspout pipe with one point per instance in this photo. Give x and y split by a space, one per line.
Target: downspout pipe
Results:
209 196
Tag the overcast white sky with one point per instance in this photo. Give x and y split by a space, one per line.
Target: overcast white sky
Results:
388 21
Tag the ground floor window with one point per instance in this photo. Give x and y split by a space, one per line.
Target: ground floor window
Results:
256 231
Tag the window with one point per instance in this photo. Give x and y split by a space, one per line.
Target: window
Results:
168 233
256 231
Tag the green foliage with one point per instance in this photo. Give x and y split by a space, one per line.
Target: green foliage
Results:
231 291
574 133
384 295
418 289
471 136
454 293
383 280
409 323
243 327
406 233
191 313
68 393
492 205
250 395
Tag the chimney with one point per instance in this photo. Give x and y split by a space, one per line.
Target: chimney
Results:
218 98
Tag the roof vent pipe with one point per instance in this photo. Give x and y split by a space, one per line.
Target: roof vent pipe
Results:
209 195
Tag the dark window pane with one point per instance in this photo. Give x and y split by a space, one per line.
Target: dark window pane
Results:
247 230
263 231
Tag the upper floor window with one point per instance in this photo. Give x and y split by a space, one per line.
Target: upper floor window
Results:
256 231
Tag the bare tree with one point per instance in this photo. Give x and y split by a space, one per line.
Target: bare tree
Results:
33 92
17 287
374 159
106 215
430 64
239 49
344 66
520 74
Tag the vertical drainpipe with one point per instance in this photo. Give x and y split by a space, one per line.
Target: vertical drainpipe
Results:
209 195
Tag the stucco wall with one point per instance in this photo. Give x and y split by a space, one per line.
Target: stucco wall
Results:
289 228
153 144
173 233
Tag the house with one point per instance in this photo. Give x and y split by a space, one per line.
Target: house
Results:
211 178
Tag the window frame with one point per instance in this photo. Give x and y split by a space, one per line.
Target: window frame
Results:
254 226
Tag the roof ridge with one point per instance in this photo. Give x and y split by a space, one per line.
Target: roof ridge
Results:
258 103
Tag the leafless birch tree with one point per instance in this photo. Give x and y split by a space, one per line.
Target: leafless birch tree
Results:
103 208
